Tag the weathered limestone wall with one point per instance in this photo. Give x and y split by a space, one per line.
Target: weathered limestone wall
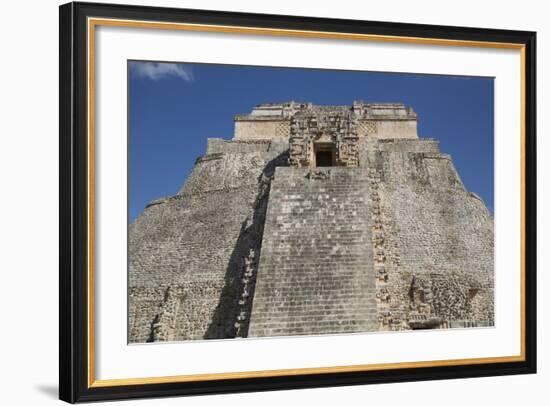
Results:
367 145
270 147
315 273
261 129
396 129
268 129
408 145
435 246
188 252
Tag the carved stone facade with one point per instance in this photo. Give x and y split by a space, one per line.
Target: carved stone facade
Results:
335 128
262 240
376 120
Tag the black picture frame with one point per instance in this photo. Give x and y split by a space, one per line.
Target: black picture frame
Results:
74 382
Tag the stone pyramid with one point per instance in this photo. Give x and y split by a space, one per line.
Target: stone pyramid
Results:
313 220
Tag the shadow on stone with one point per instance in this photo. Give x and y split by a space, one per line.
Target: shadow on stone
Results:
232 314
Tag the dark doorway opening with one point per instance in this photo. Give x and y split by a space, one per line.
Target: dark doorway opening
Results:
323 158
324 155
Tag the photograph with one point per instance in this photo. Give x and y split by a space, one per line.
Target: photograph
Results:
275 201
254 201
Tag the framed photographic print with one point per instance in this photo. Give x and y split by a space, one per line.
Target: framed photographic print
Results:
256 202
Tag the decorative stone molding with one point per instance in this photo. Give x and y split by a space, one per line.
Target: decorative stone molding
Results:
313 125
163 327
249 276
421 296
318 175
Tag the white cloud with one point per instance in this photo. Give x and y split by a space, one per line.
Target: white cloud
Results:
160 70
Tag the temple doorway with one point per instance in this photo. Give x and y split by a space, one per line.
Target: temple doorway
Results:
325 155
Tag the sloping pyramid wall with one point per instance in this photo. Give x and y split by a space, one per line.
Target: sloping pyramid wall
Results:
187 252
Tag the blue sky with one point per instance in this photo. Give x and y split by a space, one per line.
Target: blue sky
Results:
174 108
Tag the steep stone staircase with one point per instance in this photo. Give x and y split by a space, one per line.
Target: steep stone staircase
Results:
316 272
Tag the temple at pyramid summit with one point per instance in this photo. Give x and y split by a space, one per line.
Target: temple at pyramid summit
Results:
313 220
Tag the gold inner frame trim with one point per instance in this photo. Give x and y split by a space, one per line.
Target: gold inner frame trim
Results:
94 22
